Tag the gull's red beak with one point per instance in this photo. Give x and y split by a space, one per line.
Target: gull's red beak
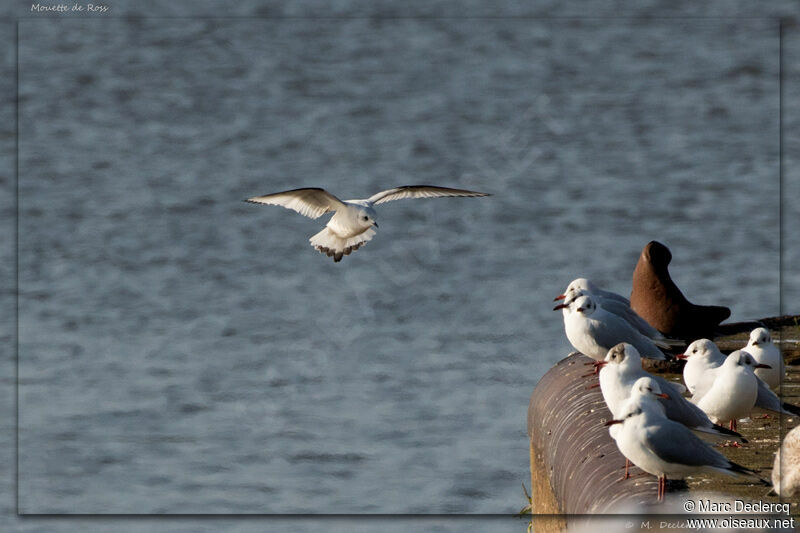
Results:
560 306
761 365
662 395
682 356
559 297
612 422
600 364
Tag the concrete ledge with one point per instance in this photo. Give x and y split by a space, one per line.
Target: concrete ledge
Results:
576 467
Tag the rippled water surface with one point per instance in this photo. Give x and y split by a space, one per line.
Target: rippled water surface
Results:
184 352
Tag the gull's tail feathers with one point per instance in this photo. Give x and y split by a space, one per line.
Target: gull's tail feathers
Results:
717 433
330 244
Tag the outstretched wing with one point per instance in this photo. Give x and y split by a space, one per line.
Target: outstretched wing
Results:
309 202
419 191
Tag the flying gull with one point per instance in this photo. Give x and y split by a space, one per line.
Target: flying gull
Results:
352 224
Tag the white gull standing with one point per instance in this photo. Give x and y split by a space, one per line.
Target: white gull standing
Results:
593 331
622 369
641 386
734 391
616 304
351 225
786 468
589 287
762 349
660 446
703 361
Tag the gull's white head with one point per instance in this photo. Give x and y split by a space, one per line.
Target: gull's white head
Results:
584 305
749 361
582 284
580 303
645 394
700 350
631 409
647 387
759 336
623 354
741 358
575 288
569 296
364 217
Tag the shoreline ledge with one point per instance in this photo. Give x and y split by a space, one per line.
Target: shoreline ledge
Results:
576 468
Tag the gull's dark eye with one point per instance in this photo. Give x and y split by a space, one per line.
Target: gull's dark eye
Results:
366 217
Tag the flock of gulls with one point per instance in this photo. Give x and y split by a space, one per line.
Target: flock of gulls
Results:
654 426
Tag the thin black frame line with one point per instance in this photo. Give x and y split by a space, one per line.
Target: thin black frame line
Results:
35 516
781 428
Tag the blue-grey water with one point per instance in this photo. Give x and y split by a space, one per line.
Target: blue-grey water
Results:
184 352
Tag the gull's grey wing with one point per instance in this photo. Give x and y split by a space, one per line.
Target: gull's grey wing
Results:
613 329
608 295
680 409
419 191
309 202
674 443
767 399
668 387
624 310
